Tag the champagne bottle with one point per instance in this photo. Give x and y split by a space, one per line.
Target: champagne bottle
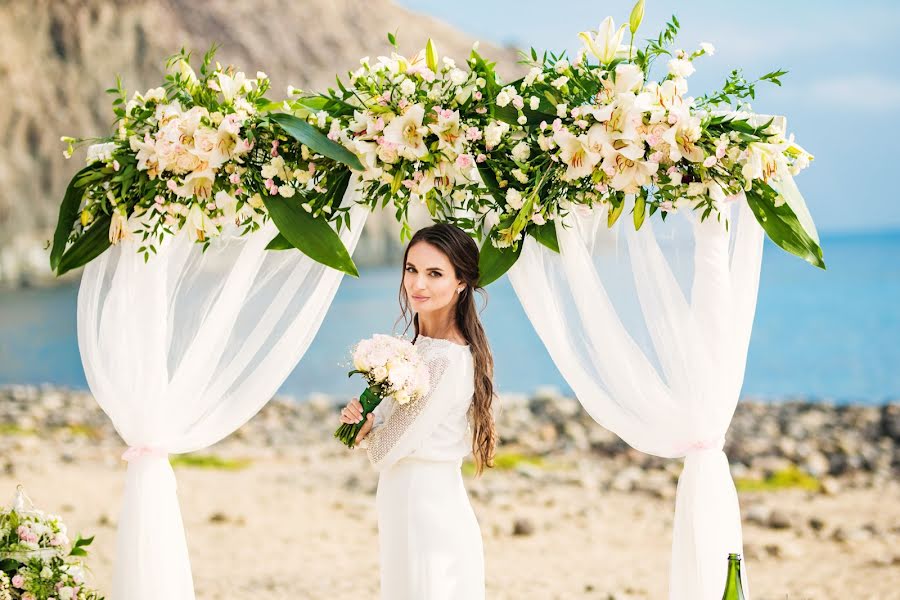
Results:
733 589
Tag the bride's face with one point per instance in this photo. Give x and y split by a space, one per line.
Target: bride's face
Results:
429 279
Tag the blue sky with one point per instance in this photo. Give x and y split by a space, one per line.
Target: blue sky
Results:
841 96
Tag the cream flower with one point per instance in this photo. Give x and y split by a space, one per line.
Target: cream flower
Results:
407 133
576 153
605 44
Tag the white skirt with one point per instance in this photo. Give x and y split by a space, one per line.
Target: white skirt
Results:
429 540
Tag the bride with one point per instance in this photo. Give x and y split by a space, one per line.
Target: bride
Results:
429 540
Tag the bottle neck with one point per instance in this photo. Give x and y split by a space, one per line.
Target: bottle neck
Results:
733 587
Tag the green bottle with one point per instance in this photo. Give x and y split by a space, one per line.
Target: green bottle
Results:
733 589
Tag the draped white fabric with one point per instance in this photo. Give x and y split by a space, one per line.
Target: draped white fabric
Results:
180 352
650 328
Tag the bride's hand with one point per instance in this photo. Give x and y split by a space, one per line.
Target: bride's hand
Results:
352 414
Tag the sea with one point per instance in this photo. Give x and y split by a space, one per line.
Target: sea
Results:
824 336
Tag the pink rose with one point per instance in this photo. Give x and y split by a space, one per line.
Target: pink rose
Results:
18 581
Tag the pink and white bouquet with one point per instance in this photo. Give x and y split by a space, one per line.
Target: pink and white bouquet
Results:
37 559
393 369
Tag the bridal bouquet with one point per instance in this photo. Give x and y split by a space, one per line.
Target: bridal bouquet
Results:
417 125
392 369
203 153
37 560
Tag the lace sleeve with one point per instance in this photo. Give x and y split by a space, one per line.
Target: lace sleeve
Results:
401 421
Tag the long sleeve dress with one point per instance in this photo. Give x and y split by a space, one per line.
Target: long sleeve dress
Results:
429 540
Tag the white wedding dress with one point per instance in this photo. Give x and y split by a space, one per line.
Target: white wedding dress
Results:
429 540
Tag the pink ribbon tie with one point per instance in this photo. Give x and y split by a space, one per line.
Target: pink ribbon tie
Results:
133 453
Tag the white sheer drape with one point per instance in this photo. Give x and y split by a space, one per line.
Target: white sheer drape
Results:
650 328
180 352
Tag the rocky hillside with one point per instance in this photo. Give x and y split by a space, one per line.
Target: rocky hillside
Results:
58 56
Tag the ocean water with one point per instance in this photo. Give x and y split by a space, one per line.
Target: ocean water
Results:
832 335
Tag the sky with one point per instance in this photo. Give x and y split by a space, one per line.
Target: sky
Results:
841 95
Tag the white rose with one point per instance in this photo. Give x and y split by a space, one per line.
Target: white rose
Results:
680 67
561 110
408 87
503 98
46 573
401 397
521 152
380 374
514 198
66 593
286 191
520 176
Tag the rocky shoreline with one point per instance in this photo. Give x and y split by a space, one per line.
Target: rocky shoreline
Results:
570 511
854 444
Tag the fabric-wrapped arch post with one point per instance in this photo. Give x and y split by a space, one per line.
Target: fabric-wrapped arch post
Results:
650 328
180 352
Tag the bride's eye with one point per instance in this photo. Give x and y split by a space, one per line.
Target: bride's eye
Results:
410 270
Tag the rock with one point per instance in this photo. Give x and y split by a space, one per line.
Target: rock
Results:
624 480
816 524
523 526
779 519
218 518
758 514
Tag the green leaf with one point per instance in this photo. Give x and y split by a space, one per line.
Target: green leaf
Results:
78 552
312 236
279 242
68 214
546 234
86 248
493 262
639 212
308 135
782 225
83 541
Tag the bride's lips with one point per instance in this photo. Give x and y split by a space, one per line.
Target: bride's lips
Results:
420 298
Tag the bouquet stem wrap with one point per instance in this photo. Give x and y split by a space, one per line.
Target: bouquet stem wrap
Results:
347 432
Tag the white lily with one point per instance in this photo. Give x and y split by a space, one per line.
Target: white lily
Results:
576 154
408 133
449 132
197 184
199 225
763 161
605 44
231 86
632 173
682 139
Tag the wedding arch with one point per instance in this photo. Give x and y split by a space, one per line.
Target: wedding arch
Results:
216 225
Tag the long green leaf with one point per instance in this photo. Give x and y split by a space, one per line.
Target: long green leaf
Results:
312 236
318 142
494 262
614 213
782 226
546 234
86 248
279 242
68 214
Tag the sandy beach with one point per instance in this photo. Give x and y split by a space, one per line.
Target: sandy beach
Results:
279 510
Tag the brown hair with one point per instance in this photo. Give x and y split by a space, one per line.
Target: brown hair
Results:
463 254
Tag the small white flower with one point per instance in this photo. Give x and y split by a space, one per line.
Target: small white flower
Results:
534 102
503 98
559 82
708 48
408 87
680 67
521 152
520 176
562 110
286 191
522 120
514 198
